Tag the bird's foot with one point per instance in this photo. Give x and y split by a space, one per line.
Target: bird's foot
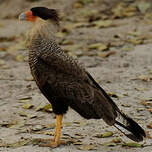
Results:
52 143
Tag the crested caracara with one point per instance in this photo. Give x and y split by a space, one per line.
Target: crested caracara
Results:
65 83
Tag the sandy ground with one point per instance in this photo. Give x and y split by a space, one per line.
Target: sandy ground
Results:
127 75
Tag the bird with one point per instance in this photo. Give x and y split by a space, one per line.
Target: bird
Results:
66 83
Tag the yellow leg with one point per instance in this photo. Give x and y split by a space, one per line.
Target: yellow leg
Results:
56 141
57 134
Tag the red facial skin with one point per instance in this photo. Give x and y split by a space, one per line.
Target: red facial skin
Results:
30 17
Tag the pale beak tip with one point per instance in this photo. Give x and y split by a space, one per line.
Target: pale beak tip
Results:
22 16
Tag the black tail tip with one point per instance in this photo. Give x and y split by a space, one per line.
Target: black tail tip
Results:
136 138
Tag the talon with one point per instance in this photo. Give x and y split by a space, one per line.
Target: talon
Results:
56 141
52 145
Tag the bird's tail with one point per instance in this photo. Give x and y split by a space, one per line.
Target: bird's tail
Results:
129 127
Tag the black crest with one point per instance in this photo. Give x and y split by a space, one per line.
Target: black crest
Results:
45 13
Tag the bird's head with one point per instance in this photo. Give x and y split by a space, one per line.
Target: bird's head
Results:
40 12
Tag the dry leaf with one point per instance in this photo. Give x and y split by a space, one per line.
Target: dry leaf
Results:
98 46
146 103
25 98
148 135
47 108
126 105
132 144
19 58
109 144
70 48
104 135
87 147
78 5
150 110
44 107
149 125
123 10
117 140
80 123
66 42
114 95
27 106
144 77
23 114
107 54
46 132
103 23
136 41
37 128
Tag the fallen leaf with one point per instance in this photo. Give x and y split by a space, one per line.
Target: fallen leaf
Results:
126 105
117 140
60 34
87 147
136 41
123 10
149 125
150 110
146 103
148 135
31 116
37 128
78 5
114 95
109 144
107 54
104 135
144 77
46 132
80 123
98 46
23 114
19 124
27 106
19 58
66 42
44 107
70 48
25 98
132 144
103 23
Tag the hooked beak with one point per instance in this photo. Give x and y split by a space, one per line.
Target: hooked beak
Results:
28 16
22 16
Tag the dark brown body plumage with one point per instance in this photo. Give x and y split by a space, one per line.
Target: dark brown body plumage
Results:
66 83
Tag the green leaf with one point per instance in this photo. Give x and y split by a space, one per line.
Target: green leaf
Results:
132 144
103 23
44 107
104 135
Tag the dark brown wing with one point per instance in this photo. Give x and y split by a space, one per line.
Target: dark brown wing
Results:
72 83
